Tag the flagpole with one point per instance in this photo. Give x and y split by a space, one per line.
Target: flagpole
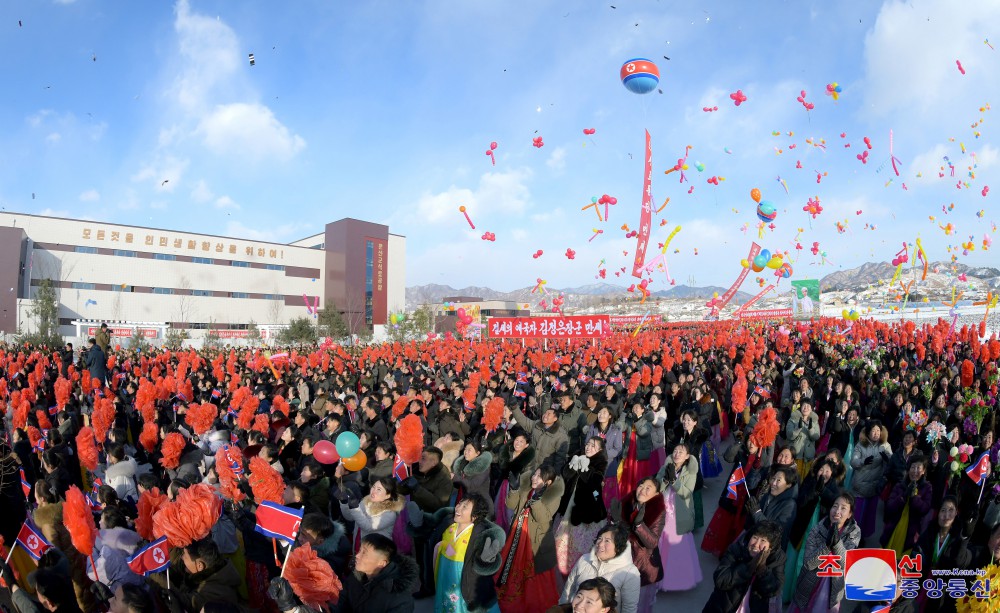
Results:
287 553
11 552
981 489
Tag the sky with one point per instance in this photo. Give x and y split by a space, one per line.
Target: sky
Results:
151 114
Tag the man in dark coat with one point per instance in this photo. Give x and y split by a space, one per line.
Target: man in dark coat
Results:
430 487
755 562
382 579
95 362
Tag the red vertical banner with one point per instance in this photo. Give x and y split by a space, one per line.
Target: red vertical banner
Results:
645 219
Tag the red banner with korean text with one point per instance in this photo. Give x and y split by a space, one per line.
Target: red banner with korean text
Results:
572 326
633 320
645 220
124 332
725 298
761 314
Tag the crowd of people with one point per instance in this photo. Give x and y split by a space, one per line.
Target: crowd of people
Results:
500 475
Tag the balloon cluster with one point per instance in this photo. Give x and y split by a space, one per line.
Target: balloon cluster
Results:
851 315
489 236
590 131
833 90
813 207
763 260
738 97
347 451
397 318
490 151
537 142
802 100
570 254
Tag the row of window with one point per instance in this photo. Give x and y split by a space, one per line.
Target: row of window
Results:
169 291
127 253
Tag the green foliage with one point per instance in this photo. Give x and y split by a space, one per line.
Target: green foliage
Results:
253 333
138 341
414 327
299 331
211 340
175 338
330 321
45 309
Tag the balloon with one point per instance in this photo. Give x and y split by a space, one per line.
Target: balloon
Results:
639 75
766 211
744 263
348 444
325 452
760 262
461 312
392 318
755 195
775 262
356 462
764 253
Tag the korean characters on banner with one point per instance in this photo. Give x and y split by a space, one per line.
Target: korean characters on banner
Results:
574 326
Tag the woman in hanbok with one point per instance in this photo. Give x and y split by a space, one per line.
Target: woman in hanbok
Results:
644 514
909 509
835 535
584 513
696 438
515 458
637 426
526 580
678 553
816 495
467 558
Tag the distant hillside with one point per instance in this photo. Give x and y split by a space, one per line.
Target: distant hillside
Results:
871 273
685 292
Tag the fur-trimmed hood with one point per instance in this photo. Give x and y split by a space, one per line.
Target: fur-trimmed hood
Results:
377 508
476 467
450 451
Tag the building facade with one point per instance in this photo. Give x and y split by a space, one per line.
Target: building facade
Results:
157 279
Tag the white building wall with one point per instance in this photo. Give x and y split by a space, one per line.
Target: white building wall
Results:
396 278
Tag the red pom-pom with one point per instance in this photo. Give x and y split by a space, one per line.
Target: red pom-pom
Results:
766 430
228 480
967 373
265 482
311 578
150 502
647 376
149 438
190 518
201 416
493 414
409 439
86 447
79 521
173 446
739 390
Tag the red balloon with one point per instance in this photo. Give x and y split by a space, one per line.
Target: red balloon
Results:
325 452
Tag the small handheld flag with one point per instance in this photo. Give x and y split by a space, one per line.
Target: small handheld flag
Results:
152 558
977 471
31 539
278 521
735 479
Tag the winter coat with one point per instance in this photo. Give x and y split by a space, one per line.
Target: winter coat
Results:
478 587
899 463
868 479
103 339
550 443
574 423
433 488
450 450
586 488
542 510
921 510
474 476
374 517
121 476
643 428
683 485
646 522
516 466
112 548
850 538
96 363
49 519
734 575
659 434
780 509
619 570
956 554
390 591
380 469
812 492
448 422
217 583
802 435
612 442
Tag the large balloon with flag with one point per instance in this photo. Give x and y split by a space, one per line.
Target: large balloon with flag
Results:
640 76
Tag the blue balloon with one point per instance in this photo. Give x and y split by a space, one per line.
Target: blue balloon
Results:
759 262
640 75
766 255
348 444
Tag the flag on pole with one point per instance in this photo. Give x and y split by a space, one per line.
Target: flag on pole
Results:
278 522
735 479
977 471
763 393
520 394
216 394
399 469
25 486
153 558
31 539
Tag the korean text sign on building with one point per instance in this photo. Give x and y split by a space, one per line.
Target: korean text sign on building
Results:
573 326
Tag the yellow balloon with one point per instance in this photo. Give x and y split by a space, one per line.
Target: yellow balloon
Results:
744 263
775 262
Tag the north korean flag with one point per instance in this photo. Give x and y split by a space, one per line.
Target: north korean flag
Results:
977 471
600 382
617 380
54 410
25 486
153 558
399 469
582 378
735 479
520 394
522 378
763 393
31 539
278 522
234 463
216 394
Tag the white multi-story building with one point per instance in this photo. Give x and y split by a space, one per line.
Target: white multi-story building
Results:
157 279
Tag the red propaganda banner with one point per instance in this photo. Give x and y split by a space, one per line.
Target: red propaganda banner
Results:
725 298
645 220
572 326
632 320
124 332
766 314
753 300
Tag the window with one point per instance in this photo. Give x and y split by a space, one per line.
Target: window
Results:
239 295
203 260
121 288
125 253
201 292
273 297
241 264
86 249
162 290
164 256
79 285
275 267
198 326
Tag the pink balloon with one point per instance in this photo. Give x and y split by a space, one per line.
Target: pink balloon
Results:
325 452
461 313
493 145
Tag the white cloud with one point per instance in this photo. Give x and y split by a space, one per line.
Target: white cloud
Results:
557 161
201 192
164 174
498 193
279 233
209 51
518 235
36 119
91 195
249 130
53 137
930 161
225 202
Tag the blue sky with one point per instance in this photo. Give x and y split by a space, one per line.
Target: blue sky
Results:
383 111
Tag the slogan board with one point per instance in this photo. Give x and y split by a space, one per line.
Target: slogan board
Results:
572 326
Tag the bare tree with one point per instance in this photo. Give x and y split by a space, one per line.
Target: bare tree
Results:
185 304
354 313
276 308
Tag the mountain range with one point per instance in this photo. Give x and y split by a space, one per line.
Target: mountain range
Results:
940 277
